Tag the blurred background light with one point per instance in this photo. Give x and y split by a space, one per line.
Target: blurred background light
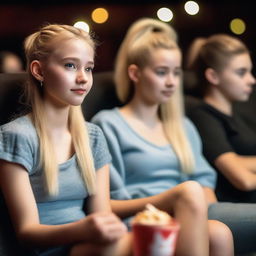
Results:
83 25
100 15
237 26
165 14
191 7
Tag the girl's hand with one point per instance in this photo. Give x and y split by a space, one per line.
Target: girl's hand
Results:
103 227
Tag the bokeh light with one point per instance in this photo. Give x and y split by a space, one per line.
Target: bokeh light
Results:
165 14
83 25
237 26
100 15
191 7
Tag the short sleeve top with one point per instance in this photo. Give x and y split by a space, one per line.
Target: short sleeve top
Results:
19 144
221 133
140 168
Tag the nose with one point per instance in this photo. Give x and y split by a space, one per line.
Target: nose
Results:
170 81
81 77
252 79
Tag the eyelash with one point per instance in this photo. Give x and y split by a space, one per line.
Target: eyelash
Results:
89 69
72 65
68 65
162 73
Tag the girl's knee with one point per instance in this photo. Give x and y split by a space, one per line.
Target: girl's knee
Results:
192 196
221 238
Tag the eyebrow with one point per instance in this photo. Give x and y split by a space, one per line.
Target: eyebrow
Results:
77 60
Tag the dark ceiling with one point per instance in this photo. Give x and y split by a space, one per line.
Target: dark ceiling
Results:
20 18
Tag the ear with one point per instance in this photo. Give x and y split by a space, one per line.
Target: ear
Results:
133 73
36 70
212 76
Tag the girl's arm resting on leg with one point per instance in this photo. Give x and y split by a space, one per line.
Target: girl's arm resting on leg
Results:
128 208
16 188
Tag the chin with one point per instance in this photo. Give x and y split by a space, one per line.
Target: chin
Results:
165 100
76 103
244 98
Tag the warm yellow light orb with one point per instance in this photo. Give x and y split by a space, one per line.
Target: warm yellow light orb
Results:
100 15
237 26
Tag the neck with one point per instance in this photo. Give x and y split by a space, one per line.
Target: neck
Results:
57 118
220 102
147 114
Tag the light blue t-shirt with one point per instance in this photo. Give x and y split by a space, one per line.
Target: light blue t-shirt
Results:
19 144
140 168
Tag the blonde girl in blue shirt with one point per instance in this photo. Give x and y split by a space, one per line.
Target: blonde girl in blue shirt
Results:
51 159
148 77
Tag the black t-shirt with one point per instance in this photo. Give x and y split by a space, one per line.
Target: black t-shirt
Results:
221 134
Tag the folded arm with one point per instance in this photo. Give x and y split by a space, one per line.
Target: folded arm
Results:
239 170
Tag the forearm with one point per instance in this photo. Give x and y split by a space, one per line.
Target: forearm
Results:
249 162
127 208
233 168
38 235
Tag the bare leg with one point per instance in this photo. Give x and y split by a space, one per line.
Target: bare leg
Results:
122 247
187 203
221 239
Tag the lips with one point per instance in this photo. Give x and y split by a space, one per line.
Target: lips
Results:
168 93
79 91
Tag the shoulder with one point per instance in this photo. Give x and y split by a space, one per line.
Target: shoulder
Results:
192 132
21 127
106 116
204 114
19 124
98 145
93 129
19 142
95 134
189 125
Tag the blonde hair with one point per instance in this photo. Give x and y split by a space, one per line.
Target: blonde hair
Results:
213 52
39 46
142 38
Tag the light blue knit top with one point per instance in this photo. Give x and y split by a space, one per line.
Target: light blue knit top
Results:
19 144
140 168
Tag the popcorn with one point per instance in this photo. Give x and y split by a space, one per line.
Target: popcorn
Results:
152 216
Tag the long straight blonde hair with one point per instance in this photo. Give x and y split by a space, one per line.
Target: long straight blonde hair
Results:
142 38
38 46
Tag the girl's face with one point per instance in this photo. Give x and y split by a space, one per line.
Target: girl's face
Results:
157 81
67 73
236 80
